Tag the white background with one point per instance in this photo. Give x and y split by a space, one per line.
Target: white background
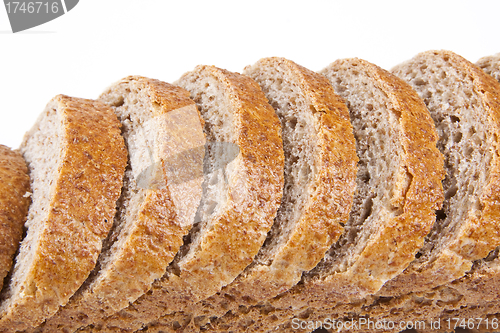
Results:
101 41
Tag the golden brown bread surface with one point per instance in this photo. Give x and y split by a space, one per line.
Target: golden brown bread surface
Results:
79 214
223 246
148 229
14 203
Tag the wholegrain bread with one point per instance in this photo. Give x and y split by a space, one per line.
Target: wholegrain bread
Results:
14 203
76 159
242 189
399 187
163 131
320 171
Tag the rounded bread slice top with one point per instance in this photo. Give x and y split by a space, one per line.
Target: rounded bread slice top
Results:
14 203
76 158
163 131
465 105
242 190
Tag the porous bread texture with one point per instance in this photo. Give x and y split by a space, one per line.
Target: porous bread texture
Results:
159 123
241 195
465 106
76 159
371 94
14 203
320 171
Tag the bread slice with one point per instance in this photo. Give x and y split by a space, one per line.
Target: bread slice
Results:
320 171
399 188
242 190
163 131
14 203
465 105
76 158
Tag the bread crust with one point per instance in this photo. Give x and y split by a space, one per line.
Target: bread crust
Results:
90 176
239 231
150 244
14 203
476 236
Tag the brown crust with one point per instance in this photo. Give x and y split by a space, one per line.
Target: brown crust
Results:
156 235
477 237
92 168
330 204
14 203
239 232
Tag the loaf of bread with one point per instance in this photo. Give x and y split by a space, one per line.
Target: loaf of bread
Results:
242 189
162 130
14 203
490 65
76 159
243 210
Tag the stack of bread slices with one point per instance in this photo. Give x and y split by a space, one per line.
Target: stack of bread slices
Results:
279 199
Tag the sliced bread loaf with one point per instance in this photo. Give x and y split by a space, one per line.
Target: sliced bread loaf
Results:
320 171
399 189
14 203
76 159
242 189
465 105
163 131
